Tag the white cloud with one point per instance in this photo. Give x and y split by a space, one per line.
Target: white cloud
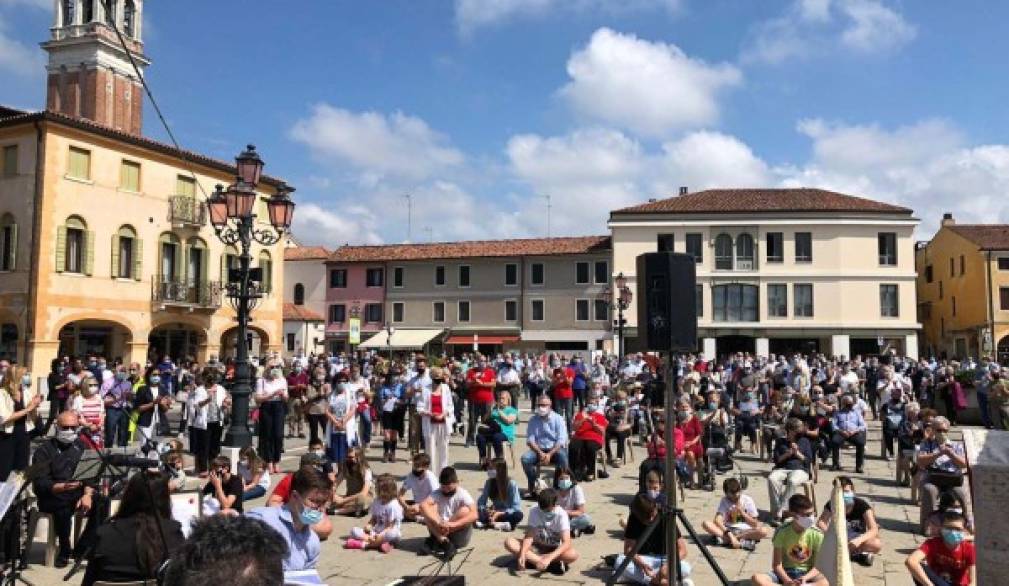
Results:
378 145
315 224
815 27
649 88
705 159
473 14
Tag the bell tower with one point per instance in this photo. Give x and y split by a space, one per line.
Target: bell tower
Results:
89 73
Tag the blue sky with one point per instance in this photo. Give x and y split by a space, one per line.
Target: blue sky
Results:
480 107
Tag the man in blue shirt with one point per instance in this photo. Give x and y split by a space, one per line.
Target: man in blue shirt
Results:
310 491
547 440
849 427
580 384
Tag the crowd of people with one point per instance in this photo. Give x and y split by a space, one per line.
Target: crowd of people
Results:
801 411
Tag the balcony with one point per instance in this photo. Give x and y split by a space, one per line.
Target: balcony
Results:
184 210
185 293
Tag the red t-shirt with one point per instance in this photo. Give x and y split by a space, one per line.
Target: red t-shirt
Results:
583 426
294 382
283 488
436 408
562 390
953 565
483 395
657 449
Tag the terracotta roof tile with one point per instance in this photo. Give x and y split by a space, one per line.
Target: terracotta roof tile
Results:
294 312
986 236
473 248
306 253
801 199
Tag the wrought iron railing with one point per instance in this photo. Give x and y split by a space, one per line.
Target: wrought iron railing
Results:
187 292
186 210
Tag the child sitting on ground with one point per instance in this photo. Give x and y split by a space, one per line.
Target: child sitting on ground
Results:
421 482
796 545
948 559
499 505
736 524
383 530
571 498
546 545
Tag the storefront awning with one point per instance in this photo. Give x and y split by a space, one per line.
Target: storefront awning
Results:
491 340
401 339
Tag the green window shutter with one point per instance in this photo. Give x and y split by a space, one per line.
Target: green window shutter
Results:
12 259
180 262
61 249
138 259
267 275
89 252
224 268
115 257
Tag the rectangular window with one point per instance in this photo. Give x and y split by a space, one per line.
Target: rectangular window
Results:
10 161
1003 298
7 244
581 273
75 251
397 277
397 312
338 279
581 310
803 247
79 166
1003 263
940 289
374 277
600 310
887 245
665 242
538 310
511 274
777 300
373 313
438 312
602 270
963 264
775 247
464 275
337 314
129 175
290 342
125 268
699 300
185 185
953 299
536 277
952 270
695 246
439 276
888 301
463 308
803 294
511 310
928 274
736 302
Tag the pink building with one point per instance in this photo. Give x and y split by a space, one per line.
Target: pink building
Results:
353 289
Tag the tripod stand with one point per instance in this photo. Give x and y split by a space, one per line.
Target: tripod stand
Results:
13 549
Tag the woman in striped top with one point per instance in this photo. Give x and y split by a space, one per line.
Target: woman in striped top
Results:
91 411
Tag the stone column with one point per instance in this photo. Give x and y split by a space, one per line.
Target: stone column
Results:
710 349
763 347
840 345
911 345
136 351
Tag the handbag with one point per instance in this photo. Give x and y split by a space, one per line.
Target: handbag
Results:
942 479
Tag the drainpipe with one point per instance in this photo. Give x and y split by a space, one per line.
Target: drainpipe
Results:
29 333
990 309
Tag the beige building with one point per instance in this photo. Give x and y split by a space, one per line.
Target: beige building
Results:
305 299
783 270
106 245
963 290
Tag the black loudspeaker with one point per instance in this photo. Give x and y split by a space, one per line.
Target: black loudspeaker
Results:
667 301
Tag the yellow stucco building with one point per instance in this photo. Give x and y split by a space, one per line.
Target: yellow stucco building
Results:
963 290
105 244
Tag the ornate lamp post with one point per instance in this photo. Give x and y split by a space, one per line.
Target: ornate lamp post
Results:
622 302
231 214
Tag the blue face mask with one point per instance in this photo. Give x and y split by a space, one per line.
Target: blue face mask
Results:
310 516
564 484
952 537
849 498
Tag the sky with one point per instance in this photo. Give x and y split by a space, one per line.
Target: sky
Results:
480 109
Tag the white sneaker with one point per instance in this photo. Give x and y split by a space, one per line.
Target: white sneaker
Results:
503 526
479 525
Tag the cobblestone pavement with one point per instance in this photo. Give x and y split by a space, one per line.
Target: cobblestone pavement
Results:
488 565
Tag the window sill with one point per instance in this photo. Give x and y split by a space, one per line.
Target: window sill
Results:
79 180
803 261
129 191
125 279
73 274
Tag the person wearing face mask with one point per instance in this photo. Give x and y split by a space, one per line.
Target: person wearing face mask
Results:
497 429
949 502
480 384
297 388
589 427
341 428
437 416
571 498
747 415
57 458
499 504
315 403
392 402
547 439
19 402
943 462
947 559
849 427
863 530
356 474
508 380
646 566
796 546
694 428
59 391
252 470
306 508
736 523
449 514
89 407
793 460
419 382
546 546
618 428
145 406
271 396
117 394
420 483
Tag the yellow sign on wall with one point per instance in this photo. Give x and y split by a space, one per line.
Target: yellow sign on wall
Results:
354 337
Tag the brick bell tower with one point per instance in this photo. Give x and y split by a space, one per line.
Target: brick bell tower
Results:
90 75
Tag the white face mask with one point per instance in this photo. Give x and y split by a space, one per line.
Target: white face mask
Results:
654 494
492 474
805 522
543 411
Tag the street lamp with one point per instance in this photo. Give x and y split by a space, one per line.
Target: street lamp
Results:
233 219
622 302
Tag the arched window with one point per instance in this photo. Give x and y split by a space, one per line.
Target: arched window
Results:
68 12
170 253
8 243
229 260
723 252
266 263
127 254
299 294
734 302
744 252
129 18
75 251
88 10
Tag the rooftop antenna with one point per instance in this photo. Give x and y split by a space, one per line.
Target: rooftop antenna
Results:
549 205
409 216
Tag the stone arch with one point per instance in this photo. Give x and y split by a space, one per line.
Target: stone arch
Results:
260 337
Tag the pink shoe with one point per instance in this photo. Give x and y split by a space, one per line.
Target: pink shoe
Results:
386 547
353 544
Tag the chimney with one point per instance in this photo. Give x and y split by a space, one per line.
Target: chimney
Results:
947 219
651 200
683 190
